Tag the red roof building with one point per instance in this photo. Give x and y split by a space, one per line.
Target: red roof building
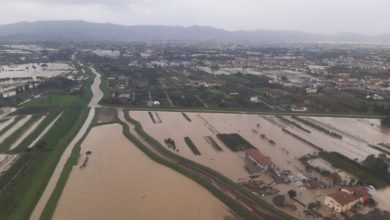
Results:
259 159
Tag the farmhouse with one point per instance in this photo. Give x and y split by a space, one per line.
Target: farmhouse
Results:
311 90
344 199
299 109
257 160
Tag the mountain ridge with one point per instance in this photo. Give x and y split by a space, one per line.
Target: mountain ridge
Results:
79 31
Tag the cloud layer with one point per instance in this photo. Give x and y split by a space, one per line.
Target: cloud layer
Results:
319 16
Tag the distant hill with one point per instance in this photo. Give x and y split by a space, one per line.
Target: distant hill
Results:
78 31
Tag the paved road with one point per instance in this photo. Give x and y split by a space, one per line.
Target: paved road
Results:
227 111
97 95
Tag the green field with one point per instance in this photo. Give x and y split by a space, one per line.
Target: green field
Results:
25 185
52 101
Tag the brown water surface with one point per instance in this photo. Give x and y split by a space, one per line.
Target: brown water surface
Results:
121 182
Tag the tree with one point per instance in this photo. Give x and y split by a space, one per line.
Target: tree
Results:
311 205
41 144
386 121
336 178
292 194
279 200
378 164
370 202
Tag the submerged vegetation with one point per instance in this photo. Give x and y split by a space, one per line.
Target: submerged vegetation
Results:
318 127
235 141
368 175
192 146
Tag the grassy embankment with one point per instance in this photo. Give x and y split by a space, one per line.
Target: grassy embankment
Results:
24 189
230 202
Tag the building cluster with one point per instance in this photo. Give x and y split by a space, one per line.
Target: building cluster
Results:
310 67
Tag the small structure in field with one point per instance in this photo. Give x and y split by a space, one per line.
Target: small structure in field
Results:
257 161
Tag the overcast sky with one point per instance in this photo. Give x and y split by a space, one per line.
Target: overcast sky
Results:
318 16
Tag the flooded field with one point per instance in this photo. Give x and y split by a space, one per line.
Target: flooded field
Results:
105 115
357 135
119 182
284 150
382 197
34 70
229 163
368 130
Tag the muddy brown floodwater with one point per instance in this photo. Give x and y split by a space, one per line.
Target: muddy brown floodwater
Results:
120 182
231 164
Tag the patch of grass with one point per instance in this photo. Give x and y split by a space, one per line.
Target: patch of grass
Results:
52 101
6 144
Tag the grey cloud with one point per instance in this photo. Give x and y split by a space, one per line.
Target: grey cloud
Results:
320 16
